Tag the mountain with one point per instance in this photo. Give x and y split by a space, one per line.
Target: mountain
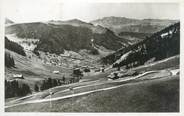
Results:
74 22
160 45
123 24
114 21
8 21
74 35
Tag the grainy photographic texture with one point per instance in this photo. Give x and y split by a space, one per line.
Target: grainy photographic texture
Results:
91 57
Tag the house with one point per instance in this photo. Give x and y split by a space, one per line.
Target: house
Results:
55 72
18 76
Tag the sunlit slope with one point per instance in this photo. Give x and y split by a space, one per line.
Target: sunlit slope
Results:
32 68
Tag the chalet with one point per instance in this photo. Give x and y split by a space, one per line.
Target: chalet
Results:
18 76
55 72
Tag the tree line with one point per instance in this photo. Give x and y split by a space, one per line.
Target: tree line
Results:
16 89
9 61
49 83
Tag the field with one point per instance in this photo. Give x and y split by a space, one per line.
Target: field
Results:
162 64
157 95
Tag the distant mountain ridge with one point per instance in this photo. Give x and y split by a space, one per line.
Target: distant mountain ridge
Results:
79 23
112 20
123 24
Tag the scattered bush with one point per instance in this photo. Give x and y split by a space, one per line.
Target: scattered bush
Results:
86 70
94 52
36 88
77 73
36 52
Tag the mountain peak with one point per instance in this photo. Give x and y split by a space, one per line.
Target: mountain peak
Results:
8 21
114 17
75 21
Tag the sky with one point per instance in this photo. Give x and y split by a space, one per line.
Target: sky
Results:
44 10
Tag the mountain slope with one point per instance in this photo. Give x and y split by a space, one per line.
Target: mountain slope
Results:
74 35
160 45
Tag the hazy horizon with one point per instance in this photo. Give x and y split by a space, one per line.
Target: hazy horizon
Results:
28 11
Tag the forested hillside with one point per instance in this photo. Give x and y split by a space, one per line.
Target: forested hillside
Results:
160 45
55 38
12 46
